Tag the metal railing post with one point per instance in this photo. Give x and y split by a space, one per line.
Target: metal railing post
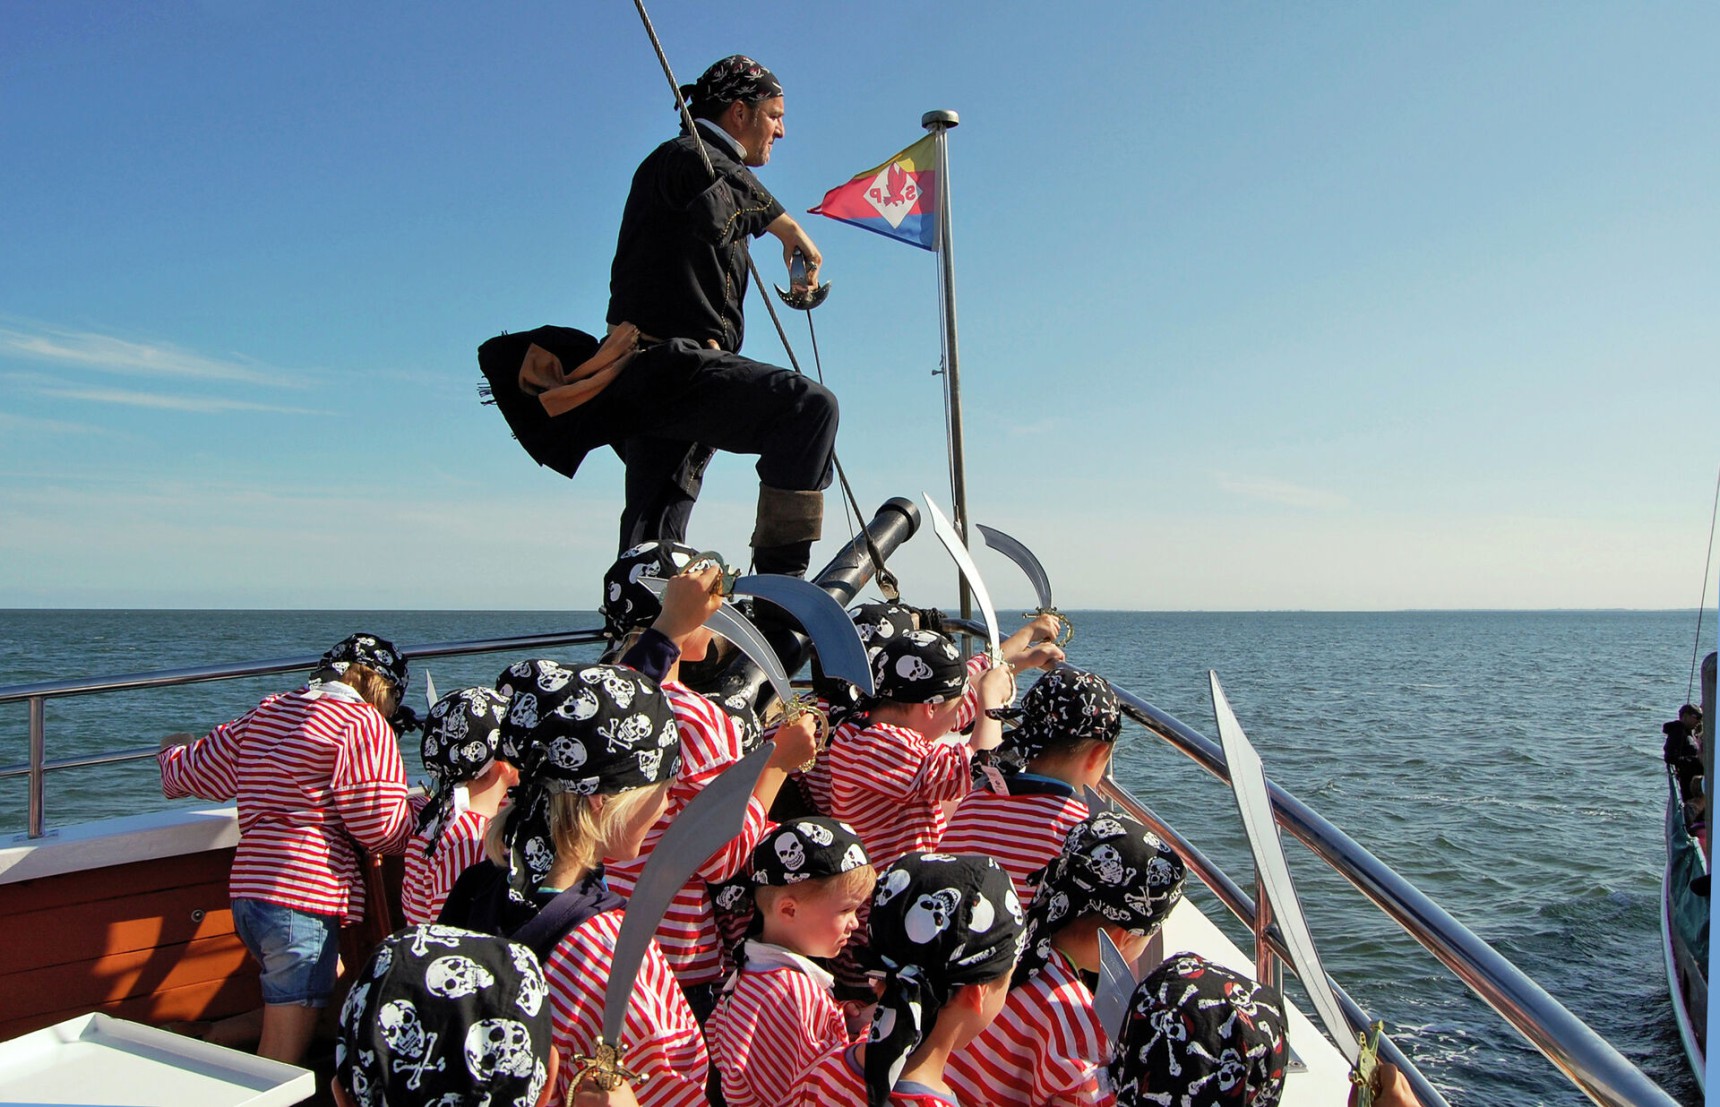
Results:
37 824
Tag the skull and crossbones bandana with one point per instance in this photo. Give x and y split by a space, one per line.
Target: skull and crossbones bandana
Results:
939 921
1110 866
443 1015
627 603
806 849
1063 707
736 77
368 650
1199 1035
877 622
461 737
920 666
592 730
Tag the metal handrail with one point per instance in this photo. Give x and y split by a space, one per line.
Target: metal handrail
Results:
36 696
1588 1061
1597 1069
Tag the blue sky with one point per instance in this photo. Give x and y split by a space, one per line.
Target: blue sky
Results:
1332 306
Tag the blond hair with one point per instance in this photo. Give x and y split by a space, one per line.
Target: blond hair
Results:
577 828
379 691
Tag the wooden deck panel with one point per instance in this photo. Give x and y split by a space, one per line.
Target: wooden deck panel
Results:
81 931
209 999
116 882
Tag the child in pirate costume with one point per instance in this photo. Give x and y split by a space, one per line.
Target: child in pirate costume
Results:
446 1016
1028 648
314 771
597 750
891 778
945 934
462 740
1070 722
1046 1047
777 1016
711 740
1199 1035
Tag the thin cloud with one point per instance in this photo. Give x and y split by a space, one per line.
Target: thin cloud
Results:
206 405
23 423
1284 494
106 353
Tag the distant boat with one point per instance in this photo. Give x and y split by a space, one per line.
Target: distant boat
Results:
1684 930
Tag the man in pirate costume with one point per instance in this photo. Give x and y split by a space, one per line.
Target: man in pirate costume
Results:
668 386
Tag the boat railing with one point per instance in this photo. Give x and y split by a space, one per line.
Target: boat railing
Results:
36 697
1587 1060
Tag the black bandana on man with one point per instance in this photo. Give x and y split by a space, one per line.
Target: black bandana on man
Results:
443 1015
810 848
627 603
594 730
938 922
921 666
370 651
734 78
1063 707
1199 1035
1110 866
462 735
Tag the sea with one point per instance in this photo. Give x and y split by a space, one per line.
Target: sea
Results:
1506 763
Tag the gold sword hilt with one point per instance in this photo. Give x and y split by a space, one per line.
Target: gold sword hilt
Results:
799 707
1066 628
604 1068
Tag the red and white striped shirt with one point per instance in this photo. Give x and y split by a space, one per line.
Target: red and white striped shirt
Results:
1046 1047
662 1037
889 784
838 1081
425 884
308 769
710 742
1022 833
816 780
768 1033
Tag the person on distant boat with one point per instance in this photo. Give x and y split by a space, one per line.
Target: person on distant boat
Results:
1048 1048
1683 755
461 751
669 386
313 771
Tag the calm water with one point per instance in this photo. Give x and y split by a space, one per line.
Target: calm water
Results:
1507 763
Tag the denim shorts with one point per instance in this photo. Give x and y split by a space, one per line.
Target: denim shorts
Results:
298 951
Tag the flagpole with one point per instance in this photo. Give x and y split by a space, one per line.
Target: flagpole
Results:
939 124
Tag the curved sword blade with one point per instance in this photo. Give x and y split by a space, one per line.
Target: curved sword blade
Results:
841 653
1116 986
1254 801
714 816
1024 560
731 624
970 572
430 696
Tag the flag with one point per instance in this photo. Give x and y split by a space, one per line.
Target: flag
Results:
898 199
